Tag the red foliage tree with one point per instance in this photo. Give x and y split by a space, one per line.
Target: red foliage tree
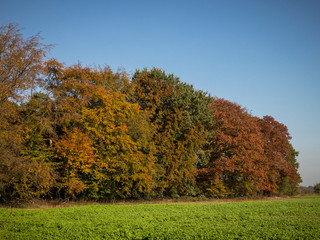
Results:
237 165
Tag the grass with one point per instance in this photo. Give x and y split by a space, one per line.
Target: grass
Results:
285 219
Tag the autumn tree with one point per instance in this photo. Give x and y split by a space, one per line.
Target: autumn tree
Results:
237 165
20 65
76 158
20 62
25 168
281 155
119 164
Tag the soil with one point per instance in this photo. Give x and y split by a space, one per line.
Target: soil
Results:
45 204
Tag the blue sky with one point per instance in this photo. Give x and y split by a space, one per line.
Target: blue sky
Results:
264 55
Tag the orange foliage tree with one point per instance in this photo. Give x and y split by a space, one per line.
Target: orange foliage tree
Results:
21 175
20 62
123 170
76 156
117 165
279 152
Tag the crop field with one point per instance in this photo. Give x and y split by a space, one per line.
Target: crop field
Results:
286 219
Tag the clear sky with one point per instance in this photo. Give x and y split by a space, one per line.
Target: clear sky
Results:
264 55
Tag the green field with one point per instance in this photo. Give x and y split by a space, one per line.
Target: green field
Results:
285 219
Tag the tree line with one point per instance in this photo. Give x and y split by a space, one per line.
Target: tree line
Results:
89 132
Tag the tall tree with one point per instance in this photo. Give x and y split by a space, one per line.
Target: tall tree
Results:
237 165
87 100
20 64
178 115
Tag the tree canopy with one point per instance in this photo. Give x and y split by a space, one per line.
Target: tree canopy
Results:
88 132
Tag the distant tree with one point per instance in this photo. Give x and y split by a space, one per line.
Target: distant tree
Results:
305 190
316 188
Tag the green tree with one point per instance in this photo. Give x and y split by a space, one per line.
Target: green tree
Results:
316 188
178 115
